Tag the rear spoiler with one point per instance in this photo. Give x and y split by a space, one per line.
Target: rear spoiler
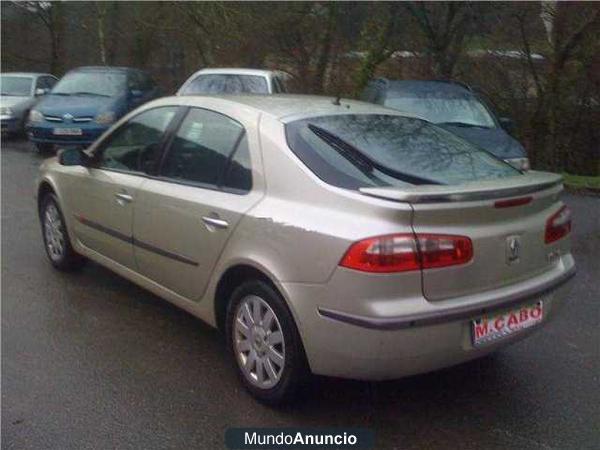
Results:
528 183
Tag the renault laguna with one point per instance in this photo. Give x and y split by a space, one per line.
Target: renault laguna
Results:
321 236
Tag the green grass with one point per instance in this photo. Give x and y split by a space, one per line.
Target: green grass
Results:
581 181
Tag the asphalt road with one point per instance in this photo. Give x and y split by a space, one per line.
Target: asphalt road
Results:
89 360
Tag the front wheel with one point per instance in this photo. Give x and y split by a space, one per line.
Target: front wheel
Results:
56 239
265 343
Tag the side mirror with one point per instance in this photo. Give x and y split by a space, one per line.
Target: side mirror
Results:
73 157
507 124
40 91
136 93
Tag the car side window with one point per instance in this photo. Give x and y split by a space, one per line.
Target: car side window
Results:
134 146
50 82
279 86
40 83
134 82
238 174
147 82
202 147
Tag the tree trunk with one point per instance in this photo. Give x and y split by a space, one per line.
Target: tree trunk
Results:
56 28
377 35
318 82
100 24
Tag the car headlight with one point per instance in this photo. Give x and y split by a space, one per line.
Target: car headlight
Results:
6 111
105 118
35 116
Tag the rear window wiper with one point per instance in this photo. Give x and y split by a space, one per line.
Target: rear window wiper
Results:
361 160
462 124
90 93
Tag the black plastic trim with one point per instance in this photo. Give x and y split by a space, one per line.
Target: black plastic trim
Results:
137 243
448 315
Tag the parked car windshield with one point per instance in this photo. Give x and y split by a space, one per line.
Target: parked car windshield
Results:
367 150
227 84
468 111
15 86
106 84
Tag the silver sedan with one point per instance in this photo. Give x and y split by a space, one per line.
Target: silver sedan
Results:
19 92
334 237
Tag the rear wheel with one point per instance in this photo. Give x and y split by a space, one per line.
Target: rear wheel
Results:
56 239
265 343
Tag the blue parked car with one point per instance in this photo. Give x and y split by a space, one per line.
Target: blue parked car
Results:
455 107
85 102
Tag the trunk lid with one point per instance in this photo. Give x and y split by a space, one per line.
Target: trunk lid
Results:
508 242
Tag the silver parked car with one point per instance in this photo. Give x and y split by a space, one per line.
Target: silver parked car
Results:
19 92
333 237
235 81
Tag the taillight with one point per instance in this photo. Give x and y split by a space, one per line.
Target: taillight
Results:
558 225
405 252
439 250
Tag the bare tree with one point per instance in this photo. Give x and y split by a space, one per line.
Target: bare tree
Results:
444 26
568 27
377 41
51 16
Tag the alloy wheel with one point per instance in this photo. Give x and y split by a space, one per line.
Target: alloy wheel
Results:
53 230
258 342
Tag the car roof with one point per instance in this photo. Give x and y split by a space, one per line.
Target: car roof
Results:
236 71
288 107
427 87
28 74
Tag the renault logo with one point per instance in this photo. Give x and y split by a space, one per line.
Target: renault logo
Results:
513 249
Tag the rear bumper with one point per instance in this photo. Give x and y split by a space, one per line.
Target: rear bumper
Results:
343 344
462 312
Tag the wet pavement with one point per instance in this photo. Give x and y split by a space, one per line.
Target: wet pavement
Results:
90 360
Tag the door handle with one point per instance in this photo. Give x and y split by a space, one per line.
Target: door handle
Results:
123 198
214 222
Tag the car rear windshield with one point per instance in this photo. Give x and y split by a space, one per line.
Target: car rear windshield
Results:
103 84
457 110
16 86
367 150
227 84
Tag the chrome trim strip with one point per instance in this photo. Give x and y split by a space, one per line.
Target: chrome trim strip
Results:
448 315
131 240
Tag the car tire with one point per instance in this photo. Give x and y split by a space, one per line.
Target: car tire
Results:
44 149
56 238
269 357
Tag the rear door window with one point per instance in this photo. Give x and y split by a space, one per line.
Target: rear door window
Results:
238 175
365 150
202 148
